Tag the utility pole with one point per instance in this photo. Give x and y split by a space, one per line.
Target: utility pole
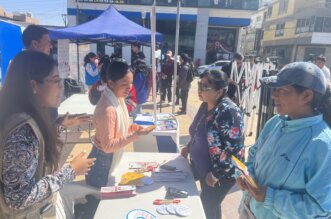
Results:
176 53
77 44
65 19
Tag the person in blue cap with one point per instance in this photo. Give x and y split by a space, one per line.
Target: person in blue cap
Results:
291 159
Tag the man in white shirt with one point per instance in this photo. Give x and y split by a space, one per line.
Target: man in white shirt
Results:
320 62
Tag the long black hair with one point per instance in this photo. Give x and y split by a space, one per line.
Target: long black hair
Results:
219 80
105 61
17 96
88 57
117 69
321 103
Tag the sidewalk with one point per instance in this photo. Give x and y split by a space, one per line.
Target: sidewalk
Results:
230 204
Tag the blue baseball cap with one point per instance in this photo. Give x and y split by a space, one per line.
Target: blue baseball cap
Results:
304 74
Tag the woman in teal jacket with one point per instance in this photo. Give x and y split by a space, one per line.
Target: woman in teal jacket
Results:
291 160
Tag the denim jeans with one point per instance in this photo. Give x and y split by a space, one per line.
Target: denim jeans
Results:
98 175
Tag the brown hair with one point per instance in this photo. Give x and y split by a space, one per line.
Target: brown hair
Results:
17 97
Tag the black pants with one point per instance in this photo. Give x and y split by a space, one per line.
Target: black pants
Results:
183 97
166 89
177 94
212 198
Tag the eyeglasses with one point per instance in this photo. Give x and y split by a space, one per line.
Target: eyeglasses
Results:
203 86
59 82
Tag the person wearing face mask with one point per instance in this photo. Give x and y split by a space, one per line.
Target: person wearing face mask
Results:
216 134
91 69
112 124
290 161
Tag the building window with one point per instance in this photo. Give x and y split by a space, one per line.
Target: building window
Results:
283 6
319 24
327 24
269 13
302 25
280 30
312 24
220 44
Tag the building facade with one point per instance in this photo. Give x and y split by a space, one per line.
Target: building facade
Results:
209 29
251 42
296 30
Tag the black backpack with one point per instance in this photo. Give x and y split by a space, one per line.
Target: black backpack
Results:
94 94
190 73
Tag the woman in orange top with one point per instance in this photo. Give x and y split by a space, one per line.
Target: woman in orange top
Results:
111 121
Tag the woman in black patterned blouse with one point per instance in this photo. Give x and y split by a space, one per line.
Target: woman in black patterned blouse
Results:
29 147
216 134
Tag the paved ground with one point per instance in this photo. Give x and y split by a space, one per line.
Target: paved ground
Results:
231 202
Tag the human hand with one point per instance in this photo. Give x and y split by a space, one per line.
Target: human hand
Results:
210 180
82 165
135 127
100 66
241 183
145 131
258 193
185 151
74 120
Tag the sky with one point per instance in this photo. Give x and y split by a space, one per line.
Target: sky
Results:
48 12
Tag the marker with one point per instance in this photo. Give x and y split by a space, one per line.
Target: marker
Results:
162 201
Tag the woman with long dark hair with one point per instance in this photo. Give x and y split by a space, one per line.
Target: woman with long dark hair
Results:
290 161
112 124
29 147
216 134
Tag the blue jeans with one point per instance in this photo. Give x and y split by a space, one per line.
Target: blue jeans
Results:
98 175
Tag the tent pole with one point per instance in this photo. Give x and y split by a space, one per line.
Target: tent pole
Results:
153 30
176 54
78 69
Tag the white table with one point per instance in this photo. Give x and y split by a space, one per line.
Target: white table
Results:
118 208
166 141
77 104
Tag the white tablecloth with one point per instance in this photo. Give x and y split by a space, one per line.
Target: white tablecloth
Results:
118 208
76 104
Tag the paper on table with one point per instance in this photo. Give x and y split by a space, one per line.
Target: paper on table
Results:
243 168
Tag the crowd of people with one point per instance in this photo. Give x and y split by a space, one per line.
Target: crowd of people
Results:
143 78
288 163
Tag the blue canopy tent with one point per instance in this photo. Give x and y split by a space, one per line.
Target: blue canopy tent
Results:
110 26
10 44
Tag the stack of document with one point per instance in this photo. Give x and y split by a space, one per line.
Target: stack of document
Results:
144 119
165 121
161 175
117 192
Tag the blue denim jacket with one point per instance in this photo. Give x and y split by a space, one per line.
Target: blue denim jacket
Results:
292 158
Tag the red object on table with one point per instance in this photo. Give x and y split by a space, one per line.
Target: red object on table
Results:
165 201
